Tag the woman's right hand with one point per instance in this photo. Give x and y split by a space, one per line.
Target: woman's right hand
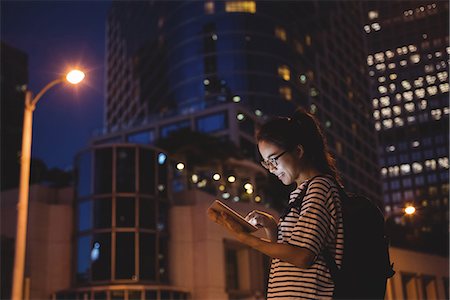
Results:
261 219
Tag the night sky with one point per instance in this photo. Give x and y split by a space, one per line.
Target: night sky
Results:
57 35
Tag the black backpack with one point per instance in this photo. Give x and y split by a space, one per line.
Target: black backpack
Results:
366 264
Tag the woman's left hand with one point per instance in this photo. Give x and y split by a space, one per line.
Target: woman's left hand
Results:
226 221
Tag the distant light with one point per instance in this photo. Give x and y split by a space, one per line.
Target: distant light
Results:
95 252
162 158
236 199
236 99
180 166
416 144
202 183
248 186
161 187
226 195
75 76
240 116
216 176
257 198
206 82
409 210
303 78
249 191
258 113
231 178
214 37
221 188
194 178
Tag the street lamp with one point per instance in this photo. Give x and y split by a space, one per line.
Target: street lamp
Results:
74 77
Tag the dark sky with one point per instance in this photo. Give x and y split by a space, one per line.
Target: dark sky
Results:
57 35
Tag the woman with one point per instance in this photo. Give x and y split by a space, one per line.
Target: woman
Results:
294 150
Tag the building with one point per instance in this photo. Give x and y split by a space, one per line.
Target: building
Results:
14 77
408 67
201 260
269 57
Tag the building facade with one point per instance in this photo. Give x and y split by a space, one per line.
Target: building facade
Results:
408 67
270 57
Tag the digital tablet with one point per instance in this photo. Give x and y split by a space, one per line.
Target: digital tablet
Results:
220 206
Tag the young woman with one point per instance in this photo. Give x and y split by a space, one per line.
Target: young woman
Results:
294 150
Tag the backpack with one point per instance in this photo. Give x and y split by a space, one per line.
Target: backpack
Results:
366 265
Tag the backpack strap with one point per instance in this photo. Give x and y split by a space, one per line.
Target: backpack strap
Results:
297 203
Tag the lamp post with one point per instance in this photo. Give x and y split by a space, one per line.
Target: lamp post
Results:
74 77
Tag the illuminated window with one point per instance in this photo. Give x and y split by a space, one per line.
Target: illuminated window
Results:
446 110
409 106
397 110
438 54
240 6
432 90
367 28
373 14
405 169
370 60
443 87
389 54
436 114
429 68
280 33
209 7
392 87
384 172
443 162
286 92
379 57
375 103
430 79
376 114
412 48
382 89
376 26
399 122
386 112
384 101
381 79
284 72
398 97
390 148
377 126
394 171
371 73
408 95
391 66
442 76
403 63
406 85
415 58
393 76
417 167
418 82
423 104
430 164
387 123
420 93
380 67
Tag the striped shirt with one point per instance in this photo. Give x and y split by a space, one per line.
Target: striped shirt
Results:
318 224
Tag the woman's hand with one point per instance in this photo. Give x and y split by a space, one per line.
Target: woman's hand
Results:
232 226
264 220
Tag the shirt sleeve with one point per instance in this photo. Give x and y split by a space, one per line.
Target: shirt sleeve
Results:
313 225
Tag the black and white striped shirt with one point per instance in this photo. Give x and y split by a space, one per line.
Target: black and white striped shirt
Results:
318 224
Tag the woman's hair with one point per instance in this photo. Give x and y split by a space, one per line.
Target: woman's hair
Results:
300 129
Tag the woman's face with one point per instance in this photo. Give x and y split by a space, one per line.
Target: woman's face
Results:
286 167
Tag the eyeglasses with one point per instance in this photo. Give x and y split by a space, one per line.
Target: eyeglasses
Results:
272 161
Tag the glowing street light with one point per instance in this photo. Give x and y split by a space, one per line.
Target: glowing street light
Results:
410 210
74 77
